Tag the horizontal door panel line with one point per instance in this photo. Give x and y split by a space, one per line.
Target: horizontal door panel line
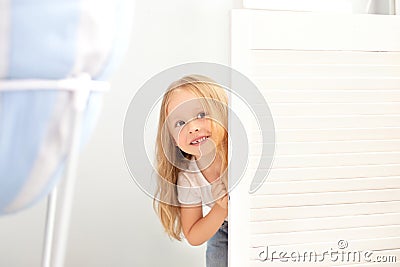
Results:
390 214
270 179
273 213
327 204
328 103
339 166
394 187
251 167
368 65
395 230
340 205
337 116
314 217
350 78
331 141
334 54
305 77
318 50
352 179
332 90
331 155
321 232
322 229
255 131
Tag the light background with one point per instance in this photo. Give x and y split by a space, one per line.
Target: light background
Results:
113 223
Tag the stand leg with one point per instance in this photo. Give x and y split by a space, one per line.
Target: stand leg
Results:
60 202
51 210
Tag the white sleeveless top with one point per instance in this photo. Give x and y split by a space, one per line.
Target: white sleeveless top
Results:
193 188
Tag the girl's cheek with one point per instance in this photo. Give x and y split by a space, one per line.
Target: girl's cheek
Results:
219 133
176 135
210 122
181 137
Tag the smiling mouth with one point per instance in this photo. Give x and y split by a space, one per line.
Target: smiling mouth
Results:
199 140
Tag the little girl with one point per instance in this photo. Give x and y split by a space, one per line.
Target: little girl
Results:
192 160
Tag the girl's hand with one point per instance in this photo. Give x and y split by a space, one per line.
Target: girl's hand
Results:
224 180
223 202
220 193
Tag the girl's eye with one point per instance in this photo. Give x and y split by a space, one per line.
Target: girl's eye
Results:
201 115
179 123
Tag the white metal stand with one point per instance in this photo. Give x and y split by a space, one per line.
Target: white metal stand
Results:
61 198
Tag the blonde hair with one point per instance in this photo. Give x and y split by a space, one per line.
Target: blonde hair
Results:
215 100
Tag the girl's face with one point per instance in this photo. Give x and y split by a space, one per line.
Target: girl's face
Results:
189 124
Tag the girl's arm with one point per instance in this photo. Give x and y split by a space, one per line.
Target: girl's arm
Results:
198 229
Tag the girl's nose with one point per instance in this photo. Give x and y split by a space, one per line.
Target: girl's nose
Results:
193 129
193 126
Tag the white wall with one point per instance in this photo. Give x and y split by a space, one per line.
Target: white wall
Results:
113 223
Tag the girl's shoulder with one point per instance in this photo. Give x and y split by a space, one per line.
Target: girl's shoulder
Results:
187 189
192 177
186 179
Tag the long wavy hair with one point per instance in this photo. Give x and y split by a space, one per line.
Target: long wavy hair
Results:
215 101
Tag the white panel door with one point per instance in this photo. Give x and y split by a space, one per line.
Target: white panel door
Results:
332 83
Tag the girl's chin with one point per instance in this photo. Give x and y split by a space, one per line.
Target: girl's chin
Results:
199 150
205 154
